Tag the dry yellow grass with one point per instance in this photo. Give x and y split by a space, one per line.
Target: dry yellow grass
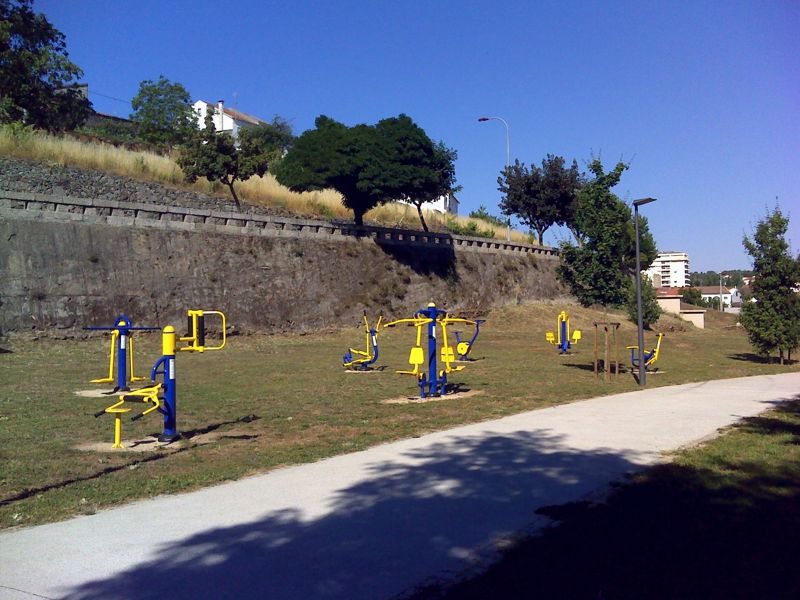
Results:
260 191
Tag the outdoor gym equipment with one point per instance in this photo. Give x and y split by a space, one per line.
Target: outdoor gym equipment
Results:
122 347
196 323
166 402
649 357
561 338
434 382
464 348
360 360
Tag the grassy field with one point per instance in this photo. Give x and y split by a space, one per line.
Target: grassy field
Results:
267 401
264 191
721 521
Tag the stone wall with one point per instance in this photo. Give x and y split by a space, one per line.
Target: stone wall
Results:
67 262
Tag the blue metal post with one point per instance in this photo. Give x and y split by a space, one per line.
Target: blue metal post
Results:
564 337
167 361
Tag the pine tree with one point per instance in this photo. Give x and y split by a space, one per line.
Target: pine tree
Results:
772 321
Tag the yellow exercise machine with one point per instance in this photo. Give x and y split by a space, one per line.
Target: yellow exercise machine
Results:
434 382
650 357
122 351
360 360
562 338
162 396
196 337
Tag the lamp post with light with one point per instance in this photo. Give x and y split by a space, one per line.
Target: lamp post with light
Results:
640 327
508 153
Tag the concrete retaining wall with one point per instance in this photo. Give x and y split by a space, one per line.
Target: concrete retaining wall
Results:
67 262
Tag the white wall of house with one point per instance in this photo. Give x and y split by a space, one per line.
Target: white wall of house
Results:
225 119
222 122
708 294
444 204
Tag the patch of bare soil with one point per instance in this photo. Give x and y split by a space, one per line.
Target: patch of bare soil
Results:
418 400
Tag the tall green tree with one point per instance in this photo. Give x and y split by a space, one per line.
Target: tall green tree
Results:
599 270
420 173
36 73
651 310
370 164
772 321
162 111
540 197
217 157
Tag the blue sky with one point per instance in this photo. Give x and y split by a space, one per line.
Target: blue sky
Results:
702 98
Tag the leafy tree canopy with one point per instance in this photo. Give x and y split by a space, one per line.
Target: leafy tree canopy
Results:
731 278
540 196
773 320
35 71
163 112
217 157
599 270
369 164
692 296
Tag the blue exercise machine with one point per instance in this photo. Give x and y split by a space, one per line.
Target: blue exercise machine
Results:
122 347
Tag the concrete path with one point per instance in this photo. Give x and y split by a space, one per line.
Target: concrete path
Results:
372 524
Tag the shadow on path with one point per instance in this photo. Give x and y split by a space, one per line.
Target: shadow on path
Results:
408 520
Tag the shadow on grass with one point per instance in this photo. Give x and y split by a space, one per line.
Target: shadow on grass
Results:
678 532
404 519
151 457
758 358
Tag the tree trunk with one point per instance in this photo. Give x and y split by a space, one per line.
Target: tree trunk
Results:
579 239
229 183
421 218
358 217
540 232
780 352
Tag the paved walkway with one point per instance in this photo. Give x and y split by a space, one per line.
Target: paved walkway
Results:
375 523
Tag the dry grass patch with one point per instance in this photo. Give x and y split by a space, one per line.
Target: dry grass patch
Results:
264 191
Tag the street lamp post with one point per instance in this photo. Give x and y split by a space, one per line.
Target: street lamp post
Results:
640 326
508 155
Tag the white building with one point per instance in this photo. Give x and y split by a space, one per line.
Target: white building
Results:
709 292
669 269
447 205
225 119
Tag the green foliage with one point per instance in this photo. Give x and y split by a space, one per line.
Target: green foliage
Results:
540 197
598 270
773 320
162 111
471 228
692 296
113 132
216 156
732 278
483 214
370 165
35 72
651 310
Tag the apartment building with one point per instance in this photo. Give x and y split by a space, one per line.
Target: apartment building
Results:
669 269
